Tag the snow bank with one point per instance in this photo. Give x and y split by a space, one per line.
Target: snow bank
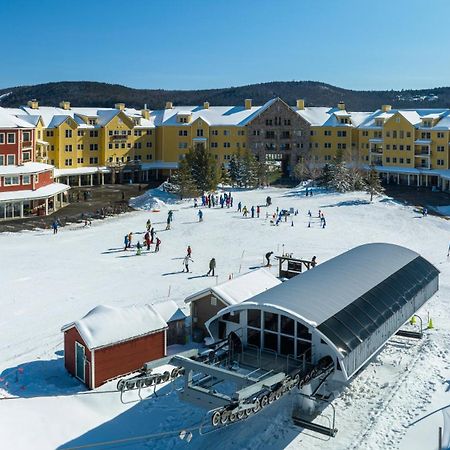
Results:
154 199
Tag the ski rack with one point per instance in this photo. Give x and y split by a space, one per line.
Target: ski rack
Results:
412 334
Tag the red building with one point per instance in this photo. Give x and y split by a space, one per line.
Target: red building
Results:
110 341
26 186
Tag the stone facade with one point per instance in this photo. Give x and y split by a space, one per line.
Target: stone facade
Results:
280 135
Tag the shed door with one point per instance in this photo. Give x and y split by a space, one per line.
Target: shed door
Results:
79 361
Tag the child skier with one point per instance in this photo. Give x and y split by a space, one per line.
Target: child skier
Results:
158 241
139 248
186 263
200 215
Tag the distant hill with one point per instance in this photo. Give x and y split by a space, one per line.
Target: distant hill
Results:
87 93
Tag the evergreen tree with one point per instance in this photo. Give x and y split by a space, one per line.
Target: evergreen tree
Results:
325 177
340 177
373 183
249 169
183 181
235 169
203 168
225 178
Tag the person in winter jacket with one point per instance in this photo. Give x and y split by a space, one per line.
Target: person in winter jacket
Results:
186 263
125 241
268 255
158 241
149 224
313 261
258 210
147 240
252 209
189 251
139 248
200 215
239 207
212 266
130 238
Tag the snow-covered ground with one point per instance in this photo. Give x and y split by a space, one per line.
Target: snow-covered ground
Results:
46 280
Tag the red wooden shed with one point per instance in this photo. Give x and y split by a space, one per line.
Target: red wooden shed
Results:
111 341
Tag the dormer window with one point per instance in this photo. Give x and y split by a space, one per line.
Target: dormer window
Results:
426 123
379 122
184 117
344 120
92 121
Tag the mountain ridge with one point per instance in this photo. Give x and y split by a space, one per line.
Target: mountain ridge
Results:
315 93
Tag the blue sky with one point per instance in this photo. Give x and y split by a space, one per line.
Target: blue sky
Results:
195 44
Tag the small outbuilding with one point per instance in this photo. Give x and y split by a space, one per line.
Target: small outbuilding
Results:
208 302
175 319
112 341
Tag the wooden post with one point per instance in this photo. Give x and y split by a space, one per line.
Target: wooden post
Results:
440 439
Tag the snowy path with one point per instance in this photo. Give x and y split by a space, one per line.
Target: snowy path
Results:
49 280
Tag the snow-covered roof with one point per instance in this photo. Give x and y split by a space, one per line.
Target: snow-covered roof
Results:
24 169
80 171
329 117
8 120
240 288
106 325
44 192
169 311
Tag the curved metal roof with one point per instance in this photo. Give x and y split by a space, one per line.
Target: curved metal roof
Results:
348 297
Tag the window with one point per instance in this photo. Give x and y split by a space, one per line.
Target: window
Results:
302 332
93 160
241 133
149 145
26 179
365 133
80 133
226 132
388 133
110 146
440 162
342 133
394 146
11 160
68 133
149 132
11 181
182 133
182 145
254 318
271 341
402 134
328 133
26 156
214 144
226 145
388 146
110 132
2 160
11 138
199 132
137 132
149 156
408 147
440 148
401 160
268 122
270 321
80 160
26 136
68 162
93 133
388 159
254 337
68 148
394 134
408 134
287 325
402 147
80 147
394 160
327 145
440 135
93 147
287 345
408 160
2 138
49 133
256 132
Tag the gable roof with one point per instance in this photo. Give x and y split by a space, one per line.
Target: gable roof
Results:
169 311
106 325
8 120
240 288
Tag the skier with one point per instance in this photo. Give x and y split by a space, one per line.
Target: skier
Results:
268 201
200 215
425 212
125 241
324 223
239 207
55 227
268 255
139 248
252 209
158 241
147 240
149 224
152 235
212 266
244 211
130 237
186 263
168 223
309 213
313 262
258 210
189 251
195 203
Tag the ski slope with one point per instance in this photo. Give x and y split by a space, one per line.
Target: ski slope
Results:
398 401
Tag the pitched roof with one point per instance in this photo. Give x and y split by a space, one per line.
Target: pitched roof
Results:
240 288
8 120
169 311
106 325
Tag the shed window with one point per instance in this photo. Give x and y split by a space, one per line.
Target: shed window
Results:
254 337
254 318
286 345
287 325
302 332
271 341
270 321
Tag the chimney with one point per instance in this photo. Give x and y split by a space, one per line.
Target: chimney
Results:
145 113
33 104
120 106
386 108
248 103
205 105
169 105
300 103
64 105
341 106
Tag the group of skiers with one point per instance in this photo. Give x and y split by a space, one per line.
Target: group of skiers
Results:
211 200
149 239
188 258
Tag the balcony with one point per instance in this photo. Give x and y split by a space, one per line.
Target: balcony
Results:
27 144
119 138
376 149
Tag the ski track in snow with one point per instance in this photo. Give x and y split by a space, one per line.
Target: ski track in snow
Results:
82 267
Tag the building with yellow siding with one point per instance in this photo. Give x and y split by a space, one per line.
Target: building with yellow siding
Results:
118 144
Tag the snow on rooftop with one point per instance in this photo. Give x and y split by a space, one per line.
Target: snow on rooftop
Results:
26 168
105 325
169 310
8 120
240 288
28 194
